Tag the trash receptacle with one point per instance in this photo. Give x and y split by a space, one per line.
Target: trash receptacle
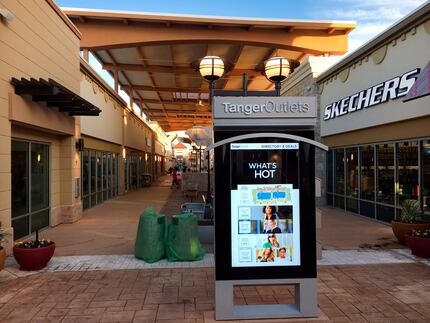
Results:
182 243
149 245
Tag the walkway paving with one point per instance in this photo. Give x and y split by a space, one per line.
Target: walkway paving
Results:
359 293
364 276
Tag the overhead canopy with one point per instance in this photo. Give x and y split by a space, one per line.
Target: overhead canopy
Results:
55 95
154 57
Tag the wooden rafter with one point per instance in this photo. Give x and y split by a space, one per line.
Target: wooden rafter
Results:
174 69
167 89
142 56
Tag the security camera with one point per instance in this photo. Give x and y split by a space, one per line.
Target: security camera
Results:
6 15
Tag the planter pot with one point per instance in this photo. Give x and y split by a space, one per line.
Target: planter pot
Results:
34 258
420 247
400 229
2 257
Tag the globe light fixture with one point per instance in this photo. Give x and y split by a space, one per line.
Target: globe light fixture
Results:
211 68
277 70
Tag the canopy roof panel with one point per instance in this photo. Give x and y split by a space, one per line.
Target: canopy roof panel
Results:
154 57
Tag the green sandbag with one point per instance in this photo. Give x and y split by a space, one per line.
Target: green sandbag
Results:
149 244
183 242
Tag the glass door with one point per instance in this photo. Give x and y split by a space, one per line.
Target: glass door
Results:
30 187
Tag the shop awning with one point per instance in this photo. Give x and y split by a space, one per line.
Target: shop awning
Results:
55 95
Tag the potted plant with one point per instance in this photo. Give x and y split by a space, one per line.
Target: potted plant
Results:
411 218
419 242
2 251
33 254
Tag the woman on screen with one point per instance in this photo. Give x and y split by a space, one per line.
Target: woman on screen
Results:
272 241
269 212
267 255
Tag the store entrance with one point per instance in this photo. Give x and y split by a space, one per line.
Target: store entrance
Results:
30 187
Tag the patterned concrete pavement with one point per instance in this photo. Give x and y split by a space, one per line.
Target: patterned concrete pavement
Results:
347 293
363 275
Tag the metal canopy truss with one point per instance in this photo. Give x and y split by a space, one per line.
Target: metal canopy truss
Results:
154 57
55 95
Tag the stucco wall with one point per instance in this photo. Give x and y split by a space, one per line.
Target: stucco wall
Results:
35 44
108 125
409 50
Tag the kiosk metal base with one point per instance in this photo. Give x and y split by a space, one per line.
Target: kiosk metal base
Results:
305 305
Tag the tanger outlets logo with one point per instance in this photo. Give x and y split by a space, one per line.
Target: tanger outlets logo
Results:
268 107
263 170
389 90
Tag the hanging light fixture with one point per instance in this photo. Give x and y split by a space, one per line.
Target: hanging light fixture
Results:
211 68
277 69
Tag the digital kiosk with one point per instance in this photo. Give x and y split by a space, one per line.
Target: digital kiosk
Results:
265 202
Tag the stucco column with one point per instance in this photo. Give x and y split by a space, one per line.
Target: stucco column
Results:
70 207
5 174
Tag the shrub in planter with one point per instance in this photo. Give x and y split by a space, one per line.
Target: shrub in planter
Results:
2 251
34 254
419 243
411 218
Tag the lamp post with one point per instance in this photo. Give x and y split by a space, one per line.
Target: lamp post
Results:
277 69
211 68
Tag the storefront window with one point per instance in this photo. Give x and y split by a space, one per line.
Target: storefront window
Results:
340 171
20 178
385 167
407 162
352 172
426 175
30 187
102 170
330 171
367 173
93 178
85 179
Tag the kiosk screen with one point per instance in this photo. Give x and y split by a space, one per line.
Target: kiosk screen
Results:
265 214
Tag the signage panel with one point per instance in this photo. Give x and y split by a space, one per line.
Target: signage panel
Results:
225 107
265 205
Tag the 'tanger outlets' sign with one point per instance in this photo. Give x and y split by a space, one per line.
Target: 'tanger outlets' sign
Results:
264 107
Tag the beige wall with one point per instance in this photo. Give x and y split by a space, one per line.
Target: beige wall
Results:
135 134
409 50
36 44
108 125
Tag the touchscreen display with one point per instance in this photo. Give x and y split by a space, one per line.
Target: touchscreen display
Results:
265 213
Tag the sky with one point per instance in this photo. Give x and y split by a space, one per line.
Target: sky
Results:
371 16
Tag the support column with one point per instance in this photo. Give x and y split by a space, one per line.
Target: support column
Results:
5 175
70 208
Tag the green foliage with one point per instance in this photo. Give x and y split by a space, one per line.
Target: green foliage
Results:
2 235
33 244
411 212
420 234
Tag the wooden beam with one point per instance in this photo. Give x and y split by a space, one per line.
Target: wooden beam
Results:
331 31
312 39
86 55
159 101
174 69
142 56
167 89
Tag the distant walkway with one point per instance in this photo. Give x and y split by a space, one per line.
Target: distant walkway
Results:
110 228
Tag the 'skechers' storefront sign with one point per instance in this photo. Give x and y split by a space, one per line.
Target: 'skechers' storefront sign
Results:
264 107
382 92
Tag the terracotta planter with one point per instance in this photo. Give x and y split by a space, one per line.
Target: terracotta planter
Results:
420 247
2 257
400 229
34 258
